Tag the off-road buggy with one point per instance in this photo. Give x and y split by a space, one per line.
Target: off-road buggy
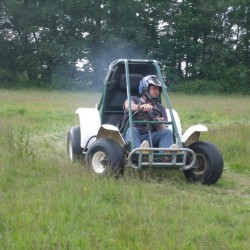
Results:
99 139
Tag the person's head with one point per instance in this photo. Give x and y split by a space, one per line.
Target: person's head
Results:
150 86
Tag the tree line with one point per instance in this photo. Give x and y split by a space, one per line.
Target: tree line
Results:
203 45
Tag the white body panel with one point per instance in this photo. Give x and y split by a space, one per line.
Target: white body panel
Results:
177 121
111 132
193 134
90 123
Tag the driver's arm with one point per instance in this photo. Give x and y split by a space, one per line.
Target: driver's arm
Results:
136 107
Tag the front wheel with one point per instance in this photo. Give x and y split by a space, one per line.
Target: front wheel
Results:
74 143
105 156
209 164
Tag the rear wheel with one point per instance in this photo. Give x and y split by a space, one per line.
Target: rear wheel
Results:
105 156
74 143
209 163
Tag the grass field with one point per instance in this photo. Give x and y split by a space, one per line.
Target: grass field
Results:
48 203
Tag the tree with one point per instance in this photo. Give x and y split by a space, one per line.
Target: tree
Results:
193 39
42 36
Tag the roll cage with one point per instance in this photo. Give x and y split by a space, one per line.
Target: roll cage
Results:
121 83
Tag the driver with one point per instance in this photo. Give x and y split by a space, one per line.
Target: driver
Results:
150 89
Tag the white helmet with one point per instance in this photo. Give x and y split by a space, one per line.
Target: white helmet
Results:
145 84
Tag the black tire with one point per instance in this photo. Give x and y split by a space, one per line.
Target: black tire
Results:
209 164
74 143
105 157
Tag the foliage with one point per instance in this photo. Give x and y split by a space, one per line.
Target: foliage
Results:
6 77
216 87
194 40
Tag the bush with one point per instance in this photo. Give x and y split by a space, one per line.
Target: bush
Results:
6 77
238 79
206 87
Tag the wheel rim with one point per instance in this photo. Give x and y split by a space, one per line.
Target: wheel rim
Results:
201 165
99 162
70 151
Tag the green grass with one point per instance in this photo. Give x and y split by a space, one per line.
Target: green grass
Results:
48 203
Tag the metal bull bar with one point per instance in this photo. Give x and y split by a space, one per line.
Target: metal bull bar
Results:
161 158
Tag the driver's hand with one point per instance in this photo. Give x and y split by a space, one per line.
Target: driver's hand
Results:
146 107
160 118
160 126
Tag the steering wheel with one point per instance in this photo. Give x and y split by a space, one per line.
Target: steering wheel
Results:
154 113
148 115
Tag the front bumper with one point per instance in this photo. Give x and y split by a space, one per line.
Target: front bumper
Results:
162 158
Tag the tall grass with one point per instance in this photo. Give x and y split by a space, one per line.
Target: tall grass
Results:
48 203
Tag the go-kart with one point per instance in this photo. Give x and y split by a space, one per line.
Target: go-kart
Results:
99 139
